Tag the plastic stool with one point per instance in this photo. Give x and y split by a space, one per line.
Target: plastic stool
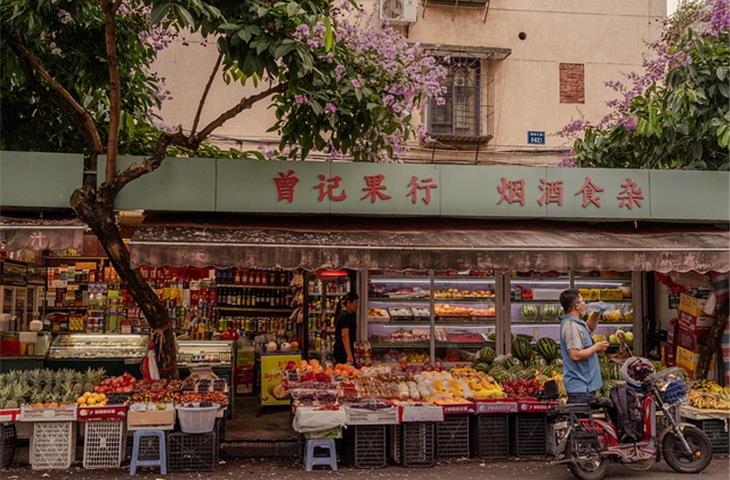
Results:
325 443
160 462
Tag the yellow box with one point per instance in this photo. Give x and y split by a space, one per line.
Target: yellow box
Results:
689 361
691 304
612 294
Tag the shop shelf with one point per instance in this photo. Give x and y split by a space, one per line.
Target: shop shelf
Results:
53 445
104 444
717 431
452 436
398 346
490 435
253 309
8 439
257 287
368 446
529 434
189 452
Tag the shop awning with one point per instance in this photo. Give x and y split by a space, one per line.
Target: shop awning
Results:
25 238
404 244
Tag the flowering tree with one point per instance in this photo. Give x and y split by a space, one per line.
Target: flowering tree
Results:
337 85
676 113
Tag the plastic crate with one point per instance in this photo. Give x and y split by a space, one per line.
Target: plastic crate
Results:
368 446
7 444
190 452
452 436
717 431
529 434
104 444
394 443
53 445
417 444
490 435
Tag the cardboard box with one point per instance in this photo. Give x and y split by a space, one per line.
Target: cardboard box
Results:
689 361
693 302
151 418
695 323
692 340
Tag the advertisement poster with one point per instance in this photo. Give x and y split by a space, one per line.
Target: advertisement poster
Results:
272 392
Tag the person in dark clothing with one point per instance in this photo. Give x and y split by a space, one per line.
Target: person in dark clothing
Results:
346 329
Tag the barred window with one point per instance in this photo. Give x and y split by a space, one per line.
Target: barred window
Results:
459 115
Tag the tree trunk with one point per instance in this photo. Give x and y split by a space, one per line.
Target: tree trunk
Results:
94 207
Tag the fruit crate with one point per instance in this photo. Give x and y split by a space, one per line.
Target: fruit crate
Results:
104 444
416 444
53 445
717 431
192 452
528 434
452 436
490 435
368 446
8 438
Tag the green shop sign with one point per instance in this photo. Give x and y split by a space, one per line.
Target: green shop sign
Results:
253 186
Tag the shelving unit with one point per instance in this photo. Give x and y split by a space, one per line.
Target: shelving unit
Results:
324 289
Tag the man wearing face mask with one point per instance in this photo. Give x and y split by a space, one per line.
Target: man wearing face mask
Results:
581 370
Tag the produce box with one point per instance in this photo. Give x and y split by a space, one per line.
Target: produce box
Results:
498 406
64 414
150 417
612 294
689 360
364 416
695 323
692 340
421 413
694 302
107 412
9 415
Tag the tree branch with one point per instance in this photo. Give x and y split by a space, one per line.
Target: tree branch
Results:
245 103
115 90
205 93
56 94
117 4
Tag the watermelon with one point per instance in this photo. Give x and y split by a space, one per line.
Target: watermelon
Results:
492 337
525 374
499 373
487 355
481 367
528 312
548 349
522 349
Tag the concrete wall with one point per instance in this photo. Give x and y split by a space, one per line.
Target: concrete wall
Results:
607 37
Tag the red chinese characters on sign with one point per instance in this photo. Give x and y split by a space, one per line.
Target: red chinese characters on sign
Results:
552 192
512 191
590 191
374 188
285 183
423 184
630 195
327 187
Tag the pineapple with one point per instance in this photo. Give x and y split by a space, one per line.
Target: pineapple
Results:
93 377
68 393
37 398
18 395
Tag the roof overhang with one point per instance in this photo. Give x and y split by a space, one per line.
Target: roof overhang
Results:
485 53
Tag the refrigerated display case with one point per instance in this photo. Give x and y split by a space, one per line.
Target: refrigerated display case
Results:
116 353
535 308
218 355
323 291
21 292
442 317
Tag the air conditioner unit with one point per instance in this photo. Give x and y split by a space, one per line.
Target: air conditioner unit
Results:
399 11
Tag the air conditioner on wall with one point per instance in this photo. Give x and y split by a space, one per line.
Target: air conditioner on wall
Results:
399 11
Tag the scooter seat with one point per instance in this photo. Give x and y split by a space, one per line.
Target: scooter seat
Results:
601 402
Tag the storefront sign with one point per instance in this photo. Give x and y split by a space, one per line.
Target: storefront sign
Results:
273 187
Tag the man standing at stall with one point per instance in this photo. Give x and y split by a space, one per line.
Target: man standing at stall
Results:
581 369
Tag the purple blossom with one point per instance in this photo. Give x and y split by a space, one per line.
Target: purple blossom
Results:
54 48
355 83
719 14
339 70
301 32
300 99
64 16
630 123
330 107
567 162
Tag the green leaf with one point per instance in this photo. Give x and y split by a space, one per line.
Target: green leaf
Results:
159 12
720 72
229 27
292 9
187 17
683 129
329 37
724 89
284 49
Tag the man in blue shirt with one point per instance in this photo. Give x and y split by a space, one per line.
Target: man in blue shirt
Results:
581 370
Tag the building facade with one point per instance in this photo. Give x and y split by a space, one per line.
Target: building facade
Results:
519 71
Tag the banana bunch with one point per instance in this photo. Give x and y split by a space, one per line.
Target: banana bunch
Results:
710 400
709 386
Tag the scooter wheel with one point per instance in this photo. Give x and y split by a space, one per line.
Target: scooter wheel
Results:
677 458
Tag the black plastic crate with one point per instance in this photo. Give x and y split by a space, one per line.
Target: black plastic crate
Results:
188 452
417 444
452 436
490 435
529 434
717 431
7 444
367 446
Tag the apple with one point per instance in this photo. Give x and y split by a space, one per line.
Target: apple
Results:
629 337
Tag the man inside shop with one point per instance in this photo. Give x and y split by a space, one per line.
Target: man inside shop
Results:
581 369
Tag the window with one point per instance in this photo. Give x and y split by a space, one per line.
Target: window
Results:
459 115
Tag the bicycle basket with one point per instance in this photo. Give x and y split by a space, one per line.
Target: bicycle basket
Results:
673 392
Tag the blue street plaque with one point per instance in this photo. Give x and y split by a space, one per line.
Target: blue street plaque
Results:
535 138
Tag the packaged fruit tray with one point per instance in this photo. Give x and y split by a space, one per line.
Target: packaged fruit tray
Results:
218 385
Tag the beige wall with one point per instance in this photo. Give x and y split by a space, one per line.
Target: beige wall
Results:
608 37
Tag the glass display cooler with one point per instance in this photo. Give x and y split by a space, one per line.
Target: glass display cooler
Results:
116 353
218 355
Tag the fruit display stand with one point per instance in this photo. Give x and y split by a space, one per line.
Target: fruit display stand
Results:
715 423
